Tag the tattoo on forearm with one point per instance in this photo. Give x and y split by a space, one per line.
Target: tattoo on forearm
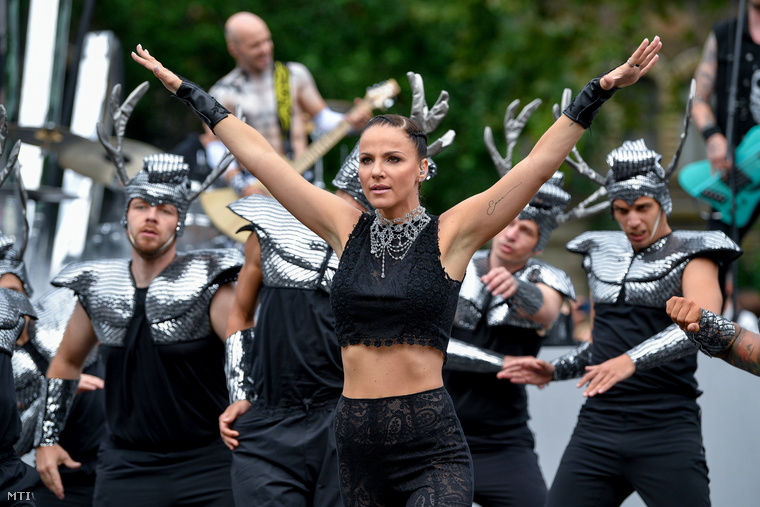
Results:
745 354
492 204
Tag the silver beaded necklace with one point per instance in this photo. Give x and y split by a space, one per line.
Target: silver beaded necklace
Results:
395 236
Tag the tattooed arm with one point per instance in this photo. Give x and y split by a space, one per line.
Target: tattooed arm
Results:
716 335
702 113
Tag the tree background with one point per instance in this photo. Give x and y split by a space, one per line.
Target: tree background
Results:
485 53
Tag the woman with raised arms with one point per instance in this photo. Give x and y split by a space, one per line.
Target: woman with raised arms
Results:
395 291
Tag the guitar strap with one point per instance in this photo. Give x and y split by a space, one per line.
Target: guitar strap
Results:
284 104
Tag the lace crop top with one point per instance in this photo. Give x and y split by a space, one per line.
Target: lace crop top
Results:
414 304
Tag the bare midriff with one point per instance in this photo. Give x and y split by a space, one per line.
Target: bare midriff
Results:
396 370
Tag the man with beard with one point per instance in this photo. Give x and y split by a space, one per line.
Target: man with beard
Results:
159 318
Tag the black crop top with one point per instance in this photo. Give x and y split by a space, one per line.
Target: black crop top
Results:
414 304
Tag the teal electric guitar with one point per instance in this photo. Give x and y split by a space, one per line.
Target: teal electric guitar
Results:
699 181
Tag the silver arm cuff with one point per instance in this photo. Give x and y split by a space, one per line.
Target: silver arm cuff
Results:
715 335
528 297
465 357
58 401
573 364
238 364
668 345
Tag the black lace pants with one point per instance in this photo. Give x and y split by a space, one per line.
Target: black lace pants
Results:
404 450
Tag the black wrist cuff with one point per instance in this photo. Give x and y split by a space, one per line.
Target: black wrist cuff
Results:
201 103
707 132
586 104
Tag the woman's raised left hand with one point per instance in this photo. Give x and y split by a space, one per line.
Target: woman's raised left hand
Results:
170 80
640 62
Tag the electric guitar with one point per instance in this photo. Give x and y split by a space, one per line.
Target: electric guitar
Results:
698 180
214 202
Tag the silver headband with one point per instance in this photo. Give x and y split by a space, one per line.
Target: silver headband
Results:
162 180
546 207
635 171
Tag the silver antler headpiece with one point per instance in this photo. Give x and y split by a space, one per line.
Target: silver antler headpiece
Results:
347 178
547 206
11 252
164 177
635 170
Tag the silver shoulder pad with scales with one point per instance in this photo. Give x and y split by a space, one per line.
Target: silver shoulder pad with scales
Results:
475 301
177 301
651 276
292 256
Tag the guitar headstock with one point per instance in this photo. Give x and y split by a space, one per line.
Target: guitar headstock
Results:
381 95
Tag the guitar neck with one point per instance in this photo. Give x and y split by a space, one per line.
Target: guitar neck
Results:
320 147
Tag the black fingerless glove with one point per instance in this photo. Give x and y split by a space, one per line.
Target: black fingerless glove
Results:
586 104
203 105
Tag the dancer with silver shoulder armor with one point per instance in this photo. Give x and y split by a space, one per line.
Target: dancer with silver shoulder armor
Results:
639 366
160 320
508 300
17 479
393 313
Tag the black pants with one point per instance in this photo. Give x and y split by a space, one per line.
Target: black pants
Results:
286 459
197 477
402 450
17 480
74 496
507 474
659 454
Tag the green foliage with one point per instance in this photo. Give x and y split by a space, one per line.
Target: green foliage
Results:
485 53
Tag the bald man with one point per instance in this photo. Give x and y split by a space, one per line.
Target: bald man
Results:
275 97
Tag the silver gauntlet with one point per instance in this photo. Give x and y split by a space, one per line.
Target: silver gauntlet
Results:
465 357
573 364
528 297
238 364
58 401
668 345
715 336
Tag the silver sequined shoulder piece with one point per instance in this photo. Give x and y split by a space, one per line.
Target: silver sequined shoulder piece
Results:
26 378
538 271
177 302
606 258
29 383
292 256
473 296
54 310
347 178
475 301
651 276
107 292
14 306
500 312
